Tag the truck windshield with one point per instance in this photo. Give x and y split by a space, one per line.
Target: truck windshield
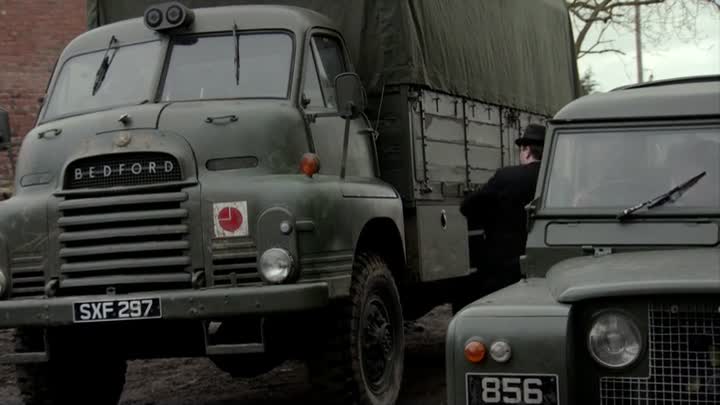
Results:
618 169
204 67
127 80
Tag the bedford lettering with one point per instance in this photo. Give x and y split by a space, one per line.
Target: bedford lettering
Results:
135 169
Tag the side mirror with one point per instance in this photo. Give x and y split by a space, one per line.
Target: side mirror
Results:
4 130
349 95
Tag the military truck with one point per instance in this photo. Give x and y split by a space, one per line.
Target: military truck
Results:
255 183
621 301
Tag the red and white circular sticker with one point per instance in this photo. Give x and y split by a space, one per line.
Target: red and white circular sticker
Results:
230 219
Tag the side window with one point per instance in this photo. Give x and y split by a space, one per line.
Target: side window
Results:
331 63
311 84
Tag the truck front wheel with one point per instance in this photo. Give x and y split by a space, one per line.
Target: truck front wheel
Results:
67 378
361 344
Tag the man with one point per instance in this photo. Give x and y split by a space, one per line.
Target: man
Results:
499 209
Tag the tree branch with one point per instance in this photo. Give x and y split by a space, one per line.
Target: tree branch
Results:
587 13
584 31
616 51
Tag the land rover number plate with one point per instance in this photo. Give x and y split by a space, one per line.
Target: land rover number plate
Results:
525 389
117 310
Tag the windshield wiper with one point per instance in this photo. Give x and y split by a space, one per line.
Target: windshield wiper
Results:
104 66
237 55
671 196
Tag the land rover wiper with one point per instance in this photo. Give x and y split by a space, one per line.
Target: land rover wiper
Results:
237 55
104 66
673 195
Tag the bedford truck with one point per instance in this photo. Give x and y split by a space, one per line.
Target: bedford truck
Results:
261 182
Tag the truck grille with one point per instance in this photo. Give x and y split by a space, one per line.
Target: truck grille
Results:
126 169
129 242
28 276
684 356
234 262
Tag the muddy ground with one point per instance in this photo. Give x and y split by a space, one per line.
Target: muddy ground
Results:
198 382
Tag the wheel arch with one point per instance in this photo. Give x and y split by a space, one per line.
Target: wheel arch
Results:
382 236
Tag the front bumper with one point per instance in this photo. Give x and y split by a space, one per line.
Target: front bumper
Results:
177 304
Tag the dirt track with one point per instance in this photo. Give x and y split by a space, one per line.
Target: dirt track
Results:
198 382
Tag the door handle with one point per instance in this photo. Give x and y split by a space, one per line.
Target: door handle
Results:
50 133
231 118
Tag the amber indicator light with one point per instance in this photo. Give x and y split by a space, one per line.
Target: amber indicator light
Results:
310 164
475 351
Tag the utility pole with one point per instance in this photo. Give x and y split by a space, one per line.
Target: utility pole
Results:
638 43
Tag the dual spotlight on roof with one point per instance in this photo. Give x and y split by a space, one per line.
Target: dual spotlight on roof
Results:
167 16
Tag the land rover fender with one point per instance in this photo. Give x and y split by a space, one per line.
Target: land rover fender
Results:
514 367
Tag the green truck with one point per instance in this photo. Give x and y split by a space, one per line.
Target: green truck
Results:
621 301
258 181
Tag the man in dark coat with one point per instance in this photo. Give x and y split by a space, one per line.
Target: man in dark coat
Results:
499 209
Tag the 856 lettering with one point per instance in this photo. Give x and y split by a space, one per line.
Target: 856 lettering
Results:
117 310
520 389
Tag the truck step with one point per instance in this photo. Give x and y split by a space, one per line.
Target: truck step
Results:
24 358
244 348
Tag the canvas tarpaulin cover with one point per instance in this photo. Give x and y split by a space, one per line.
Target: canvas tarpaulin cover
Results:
516 53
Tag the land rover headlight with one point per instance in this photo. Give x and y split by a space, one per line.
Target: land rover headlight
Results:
276 265
614 340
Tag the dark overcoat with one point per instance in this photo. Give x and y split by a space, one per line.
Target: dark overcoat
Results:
499 209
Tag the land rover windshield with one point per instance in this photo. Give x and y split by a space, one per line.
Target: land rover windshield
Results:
82 86
617 169
256 65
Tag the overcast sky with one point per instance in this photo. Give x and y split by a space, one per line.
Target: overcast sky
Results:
672 58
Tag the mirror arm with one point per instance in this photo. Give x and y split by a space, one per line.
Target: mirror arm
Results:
530 210
346 139
313 116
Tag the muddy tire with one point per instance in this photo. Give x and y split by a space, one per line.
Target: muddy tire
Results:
69 379
359 360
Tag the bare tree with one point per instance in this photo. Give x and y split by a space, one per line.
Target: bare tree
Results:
593 18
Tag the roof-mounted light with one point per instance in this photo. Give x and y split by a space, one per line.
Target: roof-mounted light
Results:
168 16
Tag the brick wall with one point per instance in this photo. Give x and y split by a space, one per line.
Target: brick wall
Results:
32 35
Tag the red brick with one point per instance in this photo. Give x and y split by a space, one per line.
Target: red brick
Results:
32 35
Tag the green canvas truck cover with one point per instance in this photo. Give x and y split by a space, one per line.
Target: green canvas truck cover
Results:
516 53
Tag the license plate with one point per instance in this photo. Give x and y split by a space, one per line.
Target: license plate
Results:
117 310
524 389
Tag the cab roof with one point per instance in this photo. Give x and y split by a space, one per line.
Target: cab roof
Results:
696 96
210 19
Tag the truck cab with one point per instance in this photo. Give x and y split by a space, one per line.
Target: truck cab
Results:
620 301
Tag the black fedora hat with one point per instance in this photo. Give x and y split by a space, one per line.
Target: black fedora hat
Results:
534 135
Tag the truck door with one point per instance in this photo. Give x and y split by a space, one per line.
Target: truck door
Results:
324 60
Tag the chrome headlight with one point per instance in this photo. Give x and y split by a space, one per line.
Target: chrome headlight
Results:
614 340
276 265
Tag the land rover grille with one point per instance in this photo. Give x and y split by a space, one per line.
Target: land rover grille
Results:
684 359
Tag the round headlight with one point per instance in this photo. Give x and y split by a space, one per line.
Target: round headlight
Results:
153 17
614 340
174 14
276 265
